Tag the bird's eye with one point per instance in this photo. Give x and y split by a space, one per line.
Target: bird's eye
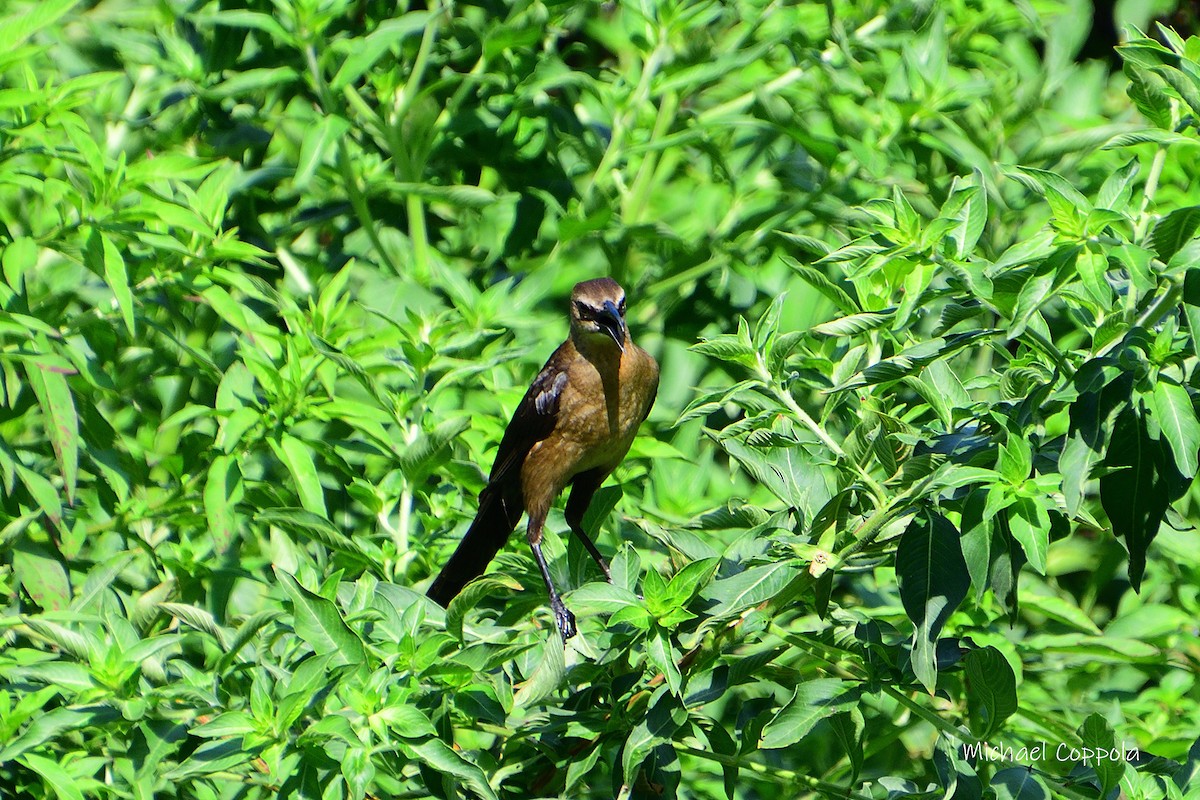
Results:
621 306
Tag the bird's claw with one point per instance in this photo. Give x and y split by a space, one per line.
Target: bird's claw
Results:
563 618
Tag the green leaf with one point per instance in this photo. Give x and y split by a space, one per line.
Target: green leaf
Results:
603 502
812 702
491 585
407 721
1060 610
684 583
55 723
297 520
1097 737
222 491
1146 90
977 539
37 17
60 419
547 676
972 218
933 582
663 657
1029 521
117 278
663 718
1176 417
317 144
43 493
42 573
720 742
1091 418
1018 783
1057 189
198 618
1137 489
848 729
79 645
853 324
768 325
956 775
817 279
749 588
252 20
298 457
430 450
991 691
64 786
1148 623
367 50
791 473
251 81
444 760
1117 187
728 347
913 359
18 258
461 196
221 755
1093 268
231 723
358 770
1015 460
318 622
1174 230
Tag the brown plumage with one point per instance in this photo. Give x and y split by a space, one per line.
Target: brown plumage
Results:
572 428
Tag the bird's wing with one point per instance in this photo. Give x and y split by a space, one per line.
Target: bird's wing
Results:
534 419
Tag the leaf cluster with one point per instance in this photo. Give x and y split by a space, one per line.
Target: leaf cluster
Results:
921 473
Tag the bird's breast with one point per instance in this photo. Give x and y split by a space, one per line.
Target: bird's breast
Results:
600 411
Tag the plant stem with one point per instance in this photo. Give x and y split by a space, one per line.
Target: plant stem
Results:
1156 167
802 416
790 776
636 201
358 200
621 123
924 713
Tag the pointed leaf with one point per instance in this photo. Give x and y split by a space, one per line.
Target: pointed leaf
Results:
319 623
991 691
1176 416
1098 737
1139 486
60 419
933 582
298 458
812 702
1174 231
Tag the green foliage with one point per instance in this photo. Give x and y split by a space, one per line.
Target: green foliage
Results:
925 293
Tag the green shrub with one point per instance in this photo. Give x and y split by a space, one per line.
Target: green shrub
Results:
274 274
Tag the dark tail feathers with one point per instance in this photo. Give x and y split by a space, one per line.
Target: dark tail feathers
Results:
495 520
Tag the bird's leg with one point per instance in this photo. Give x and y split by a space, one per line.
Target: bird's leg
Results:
582 489
563 618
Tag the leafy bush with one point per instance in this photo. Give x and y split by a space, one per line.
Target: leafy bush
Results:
275 273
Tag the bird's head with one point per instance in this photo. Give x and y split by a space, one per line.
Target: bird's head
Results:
598 311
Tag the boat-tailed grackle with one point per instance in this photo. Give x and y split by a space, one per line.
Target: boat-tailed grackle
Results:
572 428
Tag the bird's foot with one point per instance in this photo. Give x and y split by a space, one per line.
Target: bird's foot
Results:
563 618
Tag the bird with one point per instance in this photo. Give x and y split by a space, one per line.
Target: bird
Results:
572 428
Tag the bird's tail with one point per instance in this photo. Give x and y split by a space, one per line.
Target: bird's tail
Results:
497 516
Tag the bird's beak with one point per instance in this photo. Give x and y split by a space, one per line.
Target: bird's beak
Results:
612 323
